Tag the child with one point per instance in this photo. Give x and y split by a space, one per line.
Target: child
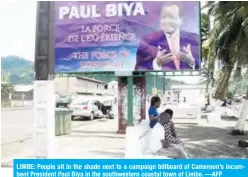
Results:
170 133
153 112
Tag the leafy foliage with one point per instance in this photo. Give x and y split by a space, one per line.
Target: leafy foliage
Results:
19 69
239 86
6 86
228 39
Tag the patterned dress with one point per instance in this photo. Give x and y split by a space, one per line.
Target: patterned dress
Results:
169 133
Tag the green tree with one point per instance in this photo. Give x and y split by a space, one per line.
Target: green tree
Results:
6 86
20 70
207 51
229 38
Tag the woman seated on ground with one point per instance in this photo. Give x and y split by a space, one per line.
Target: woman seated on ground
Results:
169 128
171 141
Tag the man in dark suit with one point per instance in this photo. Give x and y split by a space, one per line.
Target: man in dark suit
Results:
169 48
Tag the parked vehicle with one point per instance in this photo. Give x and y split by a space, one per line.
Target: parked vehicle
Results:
85 108
63 100
107 107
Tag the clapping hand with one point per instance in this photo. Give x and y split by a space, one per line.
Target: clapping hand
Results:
162 57
186 56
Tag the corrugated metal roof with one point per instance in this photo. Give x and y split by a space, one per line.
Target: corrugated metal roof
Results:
173 87
23 88
90 79
4 83
113 83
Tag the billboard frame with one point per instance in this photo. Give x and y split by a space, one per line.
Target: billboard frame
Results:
44 61
51 48
44 54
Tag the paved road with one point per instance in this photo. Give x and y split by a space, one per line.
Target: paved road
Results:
17 125
88 138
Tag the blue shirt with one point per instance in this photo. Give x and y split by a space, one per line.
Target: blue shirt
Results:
153 112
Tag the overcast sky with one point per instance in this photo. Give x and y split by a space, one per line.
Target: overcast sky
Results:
18 30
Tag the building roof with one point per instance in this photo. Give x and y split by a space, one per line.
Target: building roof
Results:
90 79
113 83
23 88
180 87
3 83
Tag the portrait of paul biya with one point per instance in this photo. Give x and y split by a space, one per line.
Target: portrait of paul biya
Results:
170 47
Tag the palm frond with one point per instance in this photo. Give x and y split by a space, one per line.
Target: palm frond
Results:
210 6
226 9
245 26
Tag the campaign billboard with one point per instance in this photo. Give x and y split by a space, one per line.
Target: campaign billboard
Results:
126 36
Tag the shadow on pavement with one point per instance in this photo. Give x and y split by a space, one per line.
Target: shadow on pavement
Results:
94 136
211 142
109 154
6 165
94 132
228 118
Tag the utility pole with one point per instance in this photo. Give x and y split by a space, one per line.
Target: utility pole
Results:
44 97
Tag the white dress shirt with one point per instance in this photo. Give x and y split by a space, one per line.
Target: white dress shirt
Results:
176 37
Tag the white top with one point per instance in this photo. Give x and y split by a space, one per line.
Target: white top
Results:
157 134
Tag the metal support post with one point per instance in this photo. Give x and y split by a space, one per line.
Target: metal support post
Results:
130 100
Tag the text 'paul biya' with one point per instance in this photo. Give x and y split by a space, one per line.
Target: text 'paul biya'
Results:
93 11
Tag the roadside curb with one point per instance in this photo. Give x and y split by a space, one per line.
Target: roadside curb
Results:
7 165
16 108
17 141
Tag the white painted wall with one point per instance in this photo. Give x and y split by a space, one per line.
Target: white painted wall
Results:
74 85
193 97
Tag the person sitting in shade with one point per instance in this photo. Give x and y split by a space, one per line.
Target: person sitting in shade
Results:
171 140
161 142
153 110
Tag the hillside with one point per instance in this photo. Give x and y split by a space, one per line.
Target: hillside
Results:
19 69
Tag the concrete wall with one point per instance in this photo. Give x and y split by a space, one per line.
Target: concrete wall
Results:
20 103
74 85
18 99
192 96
